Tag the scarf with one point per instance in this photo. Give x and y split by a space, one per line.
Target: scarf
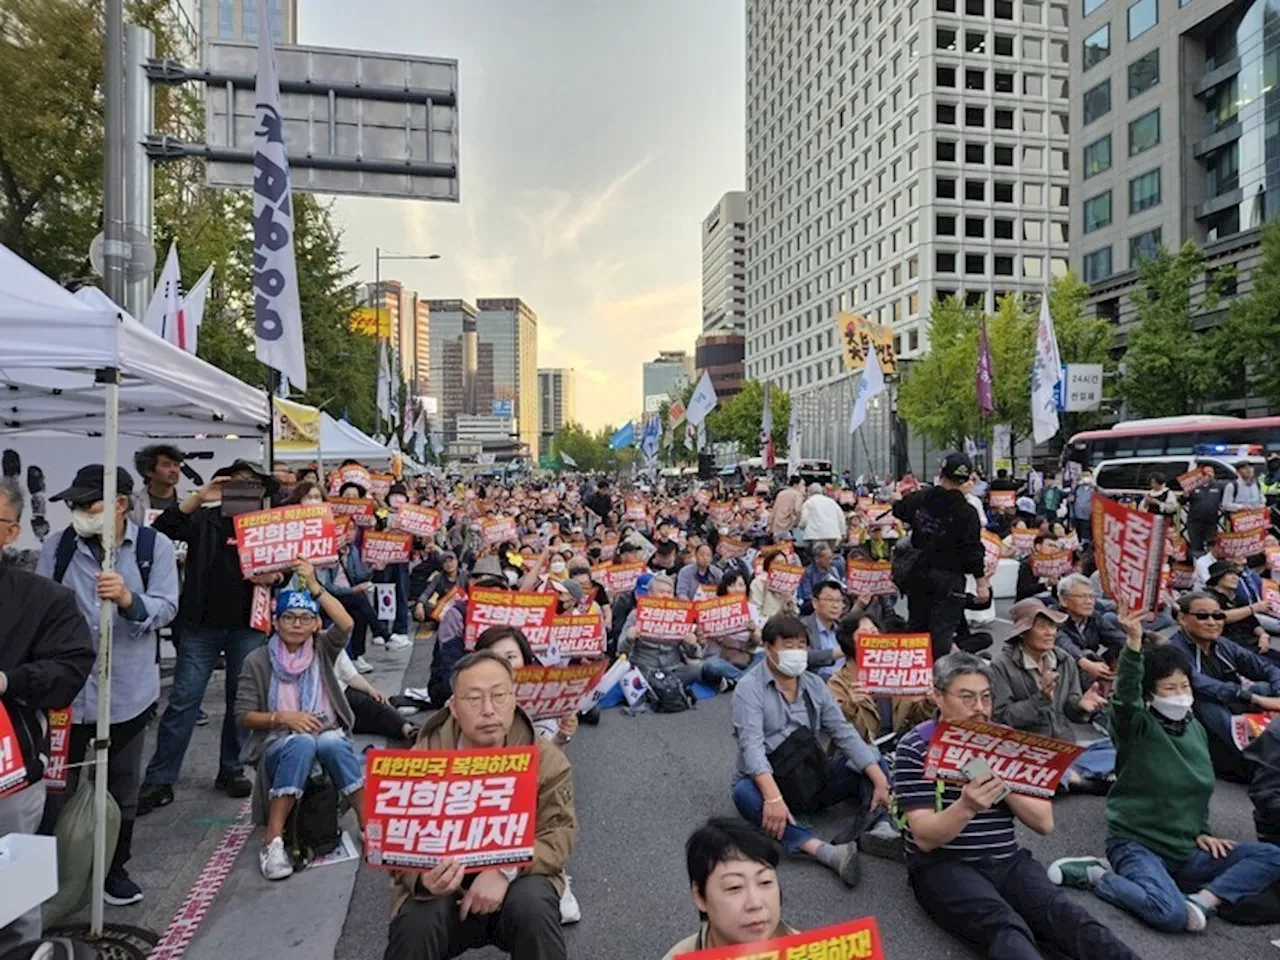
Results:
295 679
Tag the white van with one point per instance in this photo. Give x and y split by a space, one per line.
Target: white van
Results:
1130 477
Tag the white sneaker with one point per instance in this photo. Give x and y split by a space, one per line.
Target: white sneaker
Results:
377 641
570 911
274 861
399 641
362 665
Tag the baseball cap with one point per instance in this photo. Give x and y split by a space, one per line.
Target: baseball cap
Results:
1026 505
87 486
1024 614
296 600
268 481
571 587
957 466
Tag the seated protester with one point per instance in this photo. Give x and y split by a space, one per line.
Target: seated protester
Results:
1226 678
1158 840
724 658
1241 626
1037 689
443 912
963 861
733 875
826 567
289 698
767 601
650 654
860 708
450 648
1029 585
699 578
1087 636
779 708
595 599
1249 591
828 608
878 547
374 716
449 575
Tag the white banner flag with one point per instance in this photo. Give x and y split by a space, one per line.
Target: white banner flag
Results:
1046 374
277 314
871 384
161 317
702 402
192 314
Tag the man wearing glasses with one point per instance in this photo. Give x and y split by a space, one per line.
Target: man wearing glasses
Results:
443 913
46 654
1226 678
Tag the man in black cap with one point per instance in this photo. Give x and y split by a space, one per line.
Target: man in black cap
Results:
215 617
945 544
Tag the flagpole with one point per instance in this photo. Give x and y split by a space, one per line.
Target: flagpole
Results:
273 384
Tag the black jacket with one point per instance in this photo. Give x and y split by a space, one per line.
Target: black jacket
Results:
46 653
945 527
206 532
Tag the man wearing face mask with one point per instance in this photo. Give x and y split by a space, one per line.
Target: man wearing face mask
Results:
144 588
779 706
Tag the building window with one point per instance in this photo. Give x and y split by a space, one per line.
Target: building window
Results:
1144 133
1033 267
1097 265
1003 119
1002 229
1144 73
1032 13
946 38
1097 46
975 190
913 304
1003 156
975 42
1097 212
946 150
975 227
945 76
1002 82
1092 5
946 189
975 116
1144 191
946 114
1002 192
913 268
226 19
1097 102
1143 15
944 225
975 263
975 153
1004 46
1031 49
1033 84
944 262
1097 157
975 79
1003 10
1032 158
1144 246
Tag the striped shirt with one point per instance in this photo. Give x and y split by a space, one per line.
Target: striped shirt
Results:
988 836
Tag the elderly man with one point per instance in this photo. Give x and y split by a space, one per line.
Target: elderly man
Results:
824 645
826 567
700 578
964 863
651 654
444 912
821 519
1087 636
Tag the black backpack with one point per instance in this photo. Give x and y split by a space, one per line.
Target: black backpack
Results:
144 554
907 564
666 693
312 827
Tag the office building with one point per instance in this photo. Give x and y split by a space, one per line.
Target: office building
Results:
896 152
557 402
238 20
410 330
511 327
724 266
667 374
721 356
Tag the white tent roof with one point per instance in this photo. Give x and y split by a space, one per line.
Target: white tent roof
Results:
42 325
339 440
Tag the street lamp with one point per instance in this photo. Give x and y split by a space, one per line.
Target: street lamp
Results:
378 257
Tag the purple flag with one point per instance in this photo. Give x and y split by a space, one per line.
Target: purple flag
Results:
985 403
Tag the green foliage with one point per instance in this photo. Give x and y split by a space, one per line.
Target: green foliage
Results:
1081 339
1250 336
738 420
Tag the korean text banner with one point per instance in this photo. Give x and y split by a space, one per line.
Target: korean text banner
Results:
498 530
721 513
1251 520
723 616
1002 499
55 771
1240 545
618 578
1129 548
503 608
992 548
13 769
663 618
870 577
479 807
730 548
360 509
271 540
1194 479
854 940
420 521
1027 762
453 595
551 692
784 578
568 635
895 664
386 546
1053 565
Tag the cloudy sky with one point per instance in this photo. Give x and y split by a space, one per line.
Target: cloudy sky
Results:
596 135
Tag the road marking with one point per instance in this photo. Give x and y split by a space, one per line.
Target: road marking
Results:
1002 620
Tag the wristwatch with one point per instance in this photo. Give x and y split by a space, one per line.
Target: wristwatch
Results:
510 873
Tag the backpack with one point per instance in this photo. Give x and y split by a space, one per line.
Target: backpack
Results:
907 564
666 693
144 553
311 829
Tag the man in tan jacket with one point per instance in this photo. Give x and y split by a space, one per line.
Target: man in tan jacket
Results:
786 508
441 912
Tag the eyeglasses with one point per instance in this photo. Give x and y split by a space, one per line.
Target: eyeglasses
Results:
499 699
1202 615
971 699
298 619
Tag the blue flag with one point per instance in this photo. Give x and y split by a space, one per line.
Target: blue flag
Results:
625 437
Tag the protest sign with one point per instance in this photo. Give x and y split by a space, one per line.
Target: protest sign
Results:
730 548
879 511
749 504
359 509
380 484
1002 499
1053 565
784 578
55 771
895 664
1271 594
1251 519
870 578
1178 548
723 616
702 498
992 549
479 807
550 692
1240 545
1195 478
503 608
1247 727
569 635
382 547
1273 559
271 540
665 618
344 528
721 513
13 769
618 578
1070 542
419 521
853 940
1027 762
452 595
1182 576
354 473
636 510
498 530
1129 548
1022 541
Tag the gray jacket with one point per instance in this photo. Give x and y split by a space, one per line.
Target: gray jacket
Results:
1020 703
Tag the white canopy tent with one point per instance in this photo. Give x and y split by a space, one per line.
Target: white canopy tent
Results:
340 441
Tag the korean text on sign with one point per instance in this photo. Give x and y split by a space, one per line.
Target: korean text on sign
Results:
1240 545
551 692
1271 594
55 771
618 578
873 577
419 521
1194 479
478 807
1251 520
568 635
854 940
500 608
721 513
723 616
784 578
360 509
1002 499
1052 565
271 540
895 664
498 530
730 548
386 546
992 548
662 618
1027 762
13 769
1129 547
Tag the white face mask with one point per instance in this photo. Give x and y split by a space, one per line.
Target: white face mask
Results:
1173 708
792 663
557 567
87 525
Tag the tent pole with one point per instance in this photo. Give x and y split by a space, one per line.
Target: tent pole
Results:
273 384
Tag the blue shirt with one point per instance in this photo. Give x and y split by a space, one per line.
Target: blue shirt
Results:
813 576
135 667
689 580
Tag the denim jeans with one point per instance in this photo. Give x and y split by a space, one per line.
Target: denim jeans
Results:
1097 761
196 658
288 762
716 668
397 573
1150 887
842 783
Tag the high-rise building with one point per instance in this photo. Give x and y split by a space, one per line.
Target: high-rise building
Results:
238 20
897 152
409 329
422 346
557 401
667 374
511 327
724 266
448 381
721 356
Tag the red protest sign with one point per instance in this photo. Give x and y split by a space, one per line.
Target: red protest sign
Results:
380 484
854 940
260 609
359 509
723 616
1182 576
992 550
386 546
1129 548
702 498
13 769
784 578
1027 762
618 578
636 510
1194 479
1022 541
1251 519
1273 559
878 511
352 473
419 521
55 771
1002 499
730 548
479 807
569 635
1247 727
550 692
453 595
1271 594
1053 565
721 513
503 608
1070 542
1241 545
870 577
895 664
665 618
749 504
498 530
271 540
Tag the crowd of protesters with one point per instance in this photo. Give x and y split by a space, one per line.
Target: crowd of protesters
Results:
1153 695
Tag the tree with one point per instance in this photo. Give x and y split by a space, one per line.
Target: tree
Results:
1250 336
738 420
1171 368
1081 339
584 449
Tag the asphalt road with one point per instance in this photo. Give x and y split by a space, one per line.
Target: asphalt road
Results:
643 783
